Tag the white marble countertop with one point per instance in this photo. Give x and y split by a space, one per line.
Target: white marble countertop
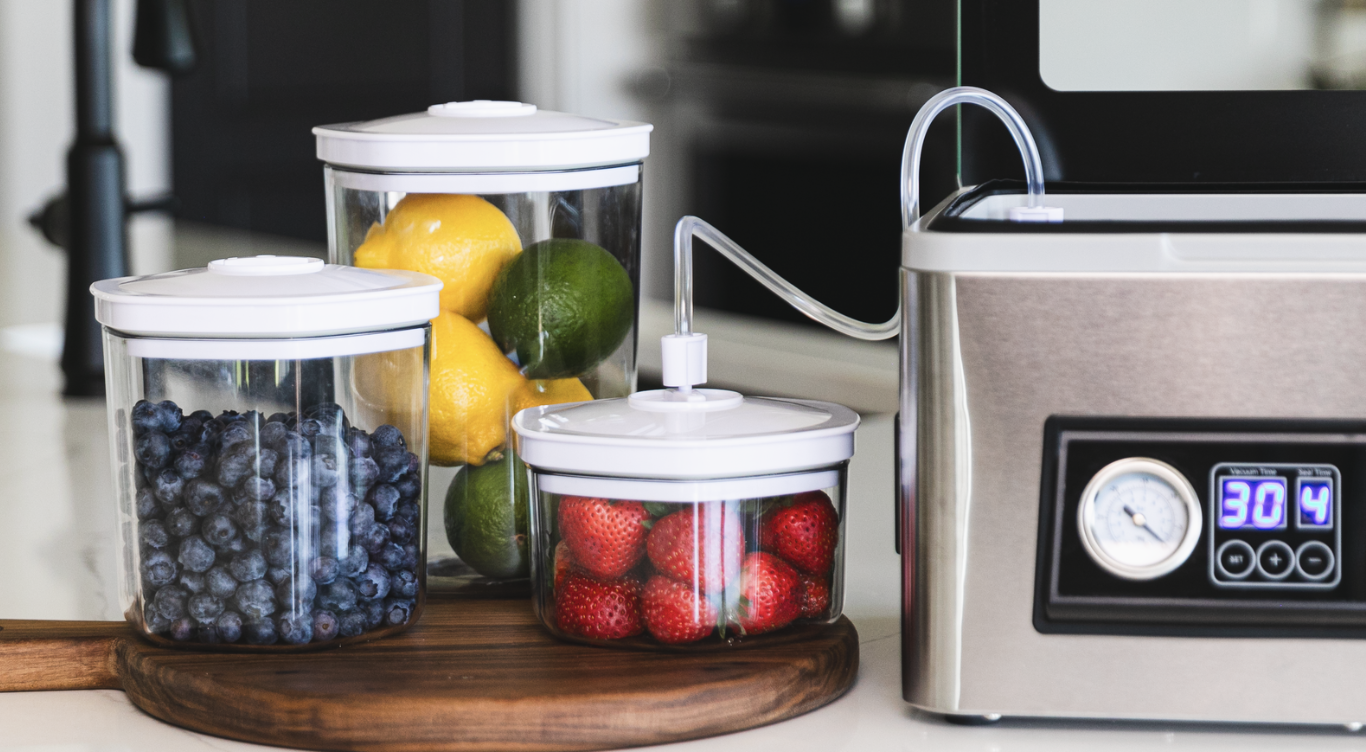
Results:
56 528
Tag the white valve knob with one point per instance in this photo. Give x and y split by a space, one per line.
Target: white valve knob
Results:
685 359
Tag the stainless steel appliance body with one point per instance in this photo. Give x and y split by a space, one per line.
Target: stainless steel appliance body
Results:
1196 329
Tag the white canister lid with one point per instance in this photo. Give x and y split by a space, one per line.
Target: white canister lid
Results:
266 297
718 435
483 136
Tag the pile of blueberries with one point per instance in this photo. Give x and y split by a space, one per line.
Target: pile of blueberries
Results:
289 529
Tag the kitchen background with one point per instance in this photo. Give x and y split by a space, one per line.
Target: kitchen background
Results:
780 121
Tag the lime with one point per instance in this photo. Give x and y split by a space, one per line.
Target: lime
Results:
486 518
563 305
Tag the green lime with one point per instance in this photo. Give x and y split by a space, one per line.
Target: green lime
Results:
563 305
486 518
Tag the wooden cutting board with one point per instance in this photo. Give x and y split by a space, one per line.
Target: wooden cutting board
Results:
470 675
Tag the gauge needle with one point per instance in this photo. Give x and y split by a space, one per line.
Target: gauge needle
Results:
1139 520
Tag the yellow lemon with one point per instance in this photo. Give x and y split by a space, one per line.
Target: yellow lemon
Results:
549 392
462 240
473 389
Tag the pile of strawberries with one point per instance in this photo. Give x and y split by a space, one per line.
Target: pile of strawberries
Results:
686 571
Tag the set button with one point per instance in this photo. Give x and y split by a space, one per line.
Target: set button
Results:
1236 560
1275 560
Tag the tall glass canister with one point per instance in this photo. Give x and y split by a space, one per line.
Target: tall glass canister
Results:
531 219
268 427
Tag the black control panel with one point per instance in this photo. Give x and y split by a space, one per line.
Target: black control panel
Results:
1202 527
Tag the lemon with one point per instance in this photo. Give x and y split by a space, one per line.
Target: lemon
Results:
462 240
473 387
549 392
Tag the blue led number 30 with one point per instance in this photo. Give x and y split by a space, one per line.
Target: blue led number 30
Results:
1258 504
1316 502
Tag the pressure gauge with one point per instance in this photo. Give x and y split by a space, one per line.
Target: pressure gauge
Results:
1139 518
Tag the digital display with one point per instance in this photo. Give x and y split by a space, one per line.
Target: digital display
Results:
1255 503
1315 497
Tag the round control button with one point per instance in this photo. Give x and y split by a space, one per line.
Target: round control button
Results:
1314 560
1235 560
1275 560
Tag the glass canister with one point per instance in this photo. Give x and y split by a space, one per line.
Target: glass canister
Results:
687 519
268 424
531 219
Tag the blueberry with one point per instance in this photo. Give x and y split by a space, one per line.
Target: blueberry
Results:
397 611
362 471
195 554
356 561
260 632
170 416
255 600
204 497
335 503
323 570
152 449
277 575
193 582
358 442
248 566
186 437
393 463
403 584
285 507
170 601
256 488
330 415
220 582
278 546
145 418
401 530
182 629
233 434
153 533
155 622
374 613
218 529
266 460
167 486
204 607
192 461
254 519
295 445
295 629
340 596
229 626
387 436
414 469
296 592
203 416
384 498
350 623
206 632
374 539
309 428
159 568
410 511
325 626
273 432
235 464
410 556
146 504
362 518
181 523
235 545
373 583
334 541
391 556
325 470
408 486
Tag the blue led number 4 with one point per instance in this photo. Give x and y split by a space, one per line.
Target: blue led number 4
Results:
1263 500
1316 503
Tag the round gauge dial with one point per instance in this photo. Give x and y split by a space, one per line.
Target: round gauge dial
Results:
1139 518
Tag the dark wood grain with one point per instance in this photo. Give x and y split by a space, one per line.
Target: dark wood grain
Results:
471 675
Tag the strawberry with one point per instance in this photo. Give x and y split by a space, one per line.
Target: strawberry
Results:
803 531
564 564
599 610
676 613
606 538
770 594
701 545
815 597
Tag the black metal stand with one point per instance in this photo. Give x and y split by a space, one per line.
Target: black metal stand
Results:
98 243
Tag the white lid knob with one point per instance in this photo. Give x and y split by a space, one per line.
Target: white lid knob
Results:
482 108
266 266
